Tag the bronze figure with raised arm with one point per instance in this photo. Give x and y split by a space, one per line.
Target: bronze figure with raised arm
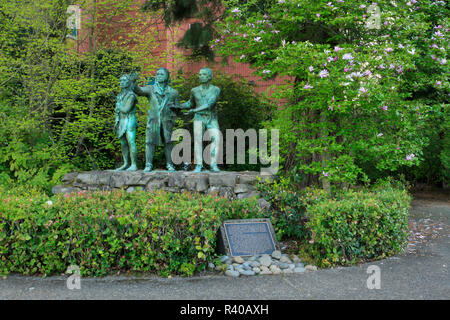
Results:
160 117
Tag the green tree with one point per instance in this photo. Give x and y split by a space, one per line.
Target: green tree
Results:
348 115
56 102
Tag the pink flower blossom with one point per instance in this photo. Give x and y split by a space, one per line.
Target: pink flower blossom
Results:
324 73
307 86
347 56
385 108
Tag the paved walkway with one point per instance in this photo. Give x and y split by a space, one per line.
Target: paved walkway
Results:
419 273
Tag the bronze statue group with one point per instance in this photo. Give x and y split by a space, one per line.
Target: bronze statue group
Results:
163 99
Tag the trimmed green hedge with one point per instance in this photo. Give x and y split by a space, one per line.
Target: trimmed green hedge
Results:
107 232
356 226
347 227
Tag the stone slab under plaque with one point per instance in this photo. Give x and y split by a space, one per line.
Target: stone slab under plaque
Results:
247 237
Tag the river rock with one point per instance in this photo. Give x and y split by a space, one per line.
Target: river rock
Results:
275 269
266 272
311 268
238 259
264 268
231 273
247 272
265 260
276 254
283 265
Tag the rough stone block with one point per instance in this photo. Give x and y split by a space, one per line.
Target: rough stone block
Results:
263 204
87 178
63 189
248 179
176 180
222 180
248 195
104 178
117 180
157 184
213 191
69 177
202 184
241 188
226 192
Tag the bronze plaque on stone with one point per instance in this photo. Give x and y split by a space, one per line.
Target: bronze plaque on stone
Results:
247 237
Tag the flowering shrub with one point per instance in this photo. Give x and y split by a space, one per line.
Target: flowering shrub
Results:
106 232
351 107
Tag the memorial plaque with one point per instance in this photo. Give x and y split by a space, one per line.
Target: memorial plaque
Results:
247 237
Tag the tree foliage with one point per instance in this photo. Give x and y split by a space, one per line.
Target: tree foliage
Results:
57 102
361 97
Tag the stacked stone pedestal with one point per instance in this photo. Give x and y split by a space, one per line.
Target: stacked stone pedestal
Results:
233 185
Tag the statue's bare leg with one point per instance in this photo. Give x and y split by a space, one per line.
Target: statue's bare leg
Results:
125 154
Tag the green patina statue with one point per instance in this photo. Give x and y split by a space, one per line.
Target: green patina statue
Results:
204 98
126 123
160 117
